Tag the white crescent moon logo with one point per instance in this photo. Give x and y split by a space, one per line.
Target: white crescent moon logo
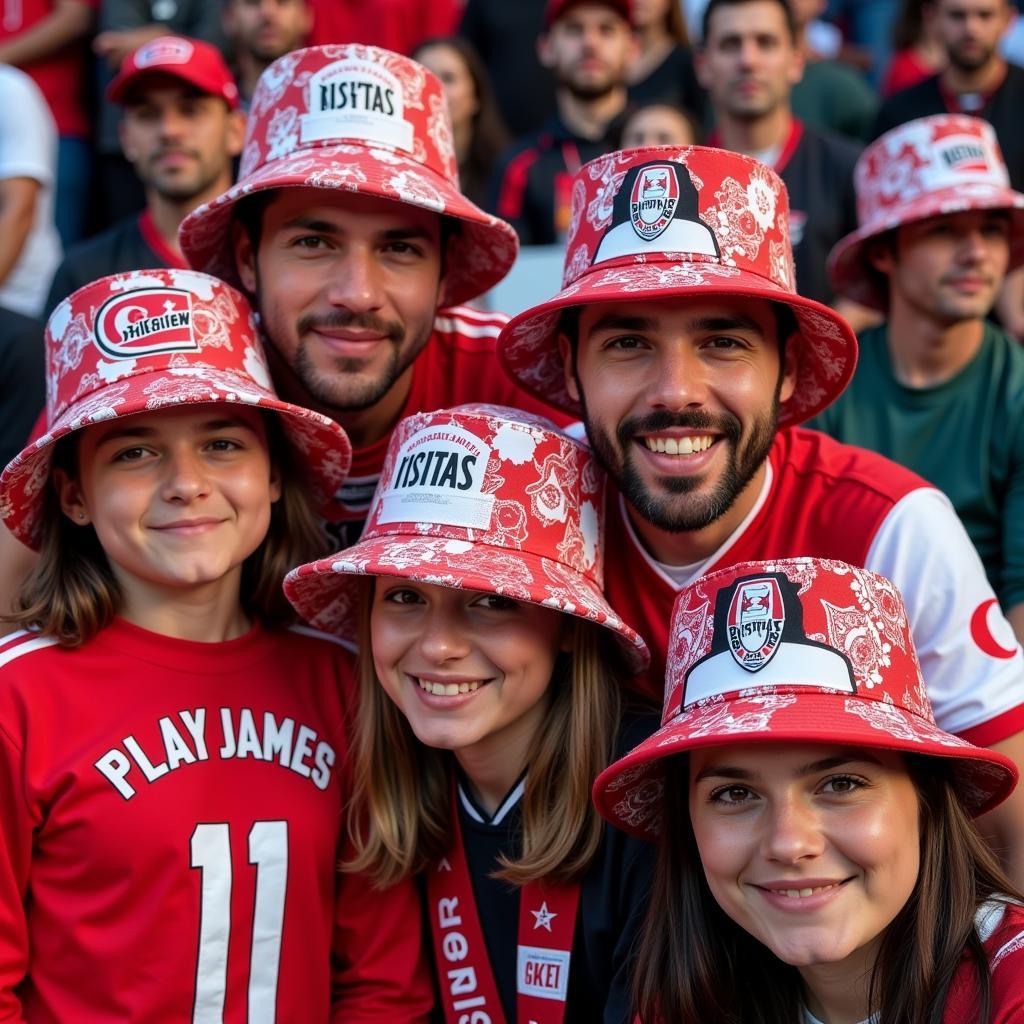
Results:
981 633
122 318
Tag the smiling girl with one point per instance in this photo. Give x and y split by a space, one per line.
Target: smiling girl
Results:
173 757
817 861
490 675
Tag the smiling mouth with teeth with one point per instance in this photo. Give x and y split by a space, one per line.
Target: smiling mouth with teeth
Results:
446 689
679 445
795 894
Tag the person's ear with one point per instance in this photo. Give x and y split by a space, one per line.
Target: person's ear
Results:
235 132
789 370
545 53
72 501
245 257
566 350
880 256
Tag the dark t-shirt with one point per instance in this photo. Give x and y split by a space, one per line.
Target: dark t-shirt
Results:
613 901
131 244
22 381
673 82
1002 109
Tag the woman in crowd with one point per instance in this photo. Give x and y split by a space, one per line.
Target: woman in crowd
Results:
491 669
172 755
817 863
663 68
658 124
478 130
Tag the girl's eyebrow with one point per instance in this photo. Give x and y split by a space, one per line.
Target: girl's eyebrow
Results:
129 430
725 771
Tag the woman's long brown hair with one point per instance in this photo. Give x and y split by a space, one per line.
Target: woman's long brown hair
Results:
696 964
401 809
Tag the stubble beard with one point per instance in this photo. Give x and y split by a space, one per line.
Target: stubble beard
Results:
672 514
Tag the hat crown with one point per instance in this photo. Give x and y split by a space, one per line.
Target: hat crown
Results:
492 476
349 93
190 325
760 635
706 213
924 158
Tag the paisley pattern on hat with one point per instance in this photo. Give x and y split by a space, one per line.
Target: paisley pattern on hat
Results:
486 498
835 620
363 119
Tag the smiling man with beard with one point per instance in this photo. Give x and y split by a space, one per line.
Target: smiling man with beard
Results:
588 45
181 130
680 338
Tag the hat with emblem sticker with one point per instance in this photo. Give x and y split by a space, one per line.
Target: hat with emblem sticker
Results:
478 497
665 222
928 167
359 119
799 650
157 339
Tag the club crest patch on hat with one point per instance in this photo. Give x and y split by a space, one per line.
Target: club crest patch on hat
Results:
964 155
656 210
357 99
755 622
438 477
146 322
167 50
759 621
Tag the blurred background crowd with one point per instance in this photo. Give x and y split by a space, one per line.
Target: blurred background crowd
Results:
99 164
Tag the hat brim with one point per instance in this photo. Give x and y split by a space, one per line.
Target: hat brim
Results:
824 346
322 447
629 792
479 256
325 593
847 265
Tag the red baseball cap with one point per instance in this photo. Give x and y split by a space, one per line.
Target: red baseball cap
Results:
556 8
479 497
799 650
666 222
157 339
355 119
191 60
928 167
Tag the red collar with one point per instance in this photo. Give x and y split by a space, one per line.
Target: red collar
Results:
151 236
952 99
796 133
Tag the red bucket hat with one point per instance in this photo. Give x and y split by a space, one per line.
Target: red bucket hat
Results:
924 168
480 497
191 60
798 650
663 222
556 8
157 339
363 120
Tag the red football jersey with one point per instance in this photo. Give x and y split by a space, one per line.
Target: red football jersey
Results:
829 500
457 366
172 818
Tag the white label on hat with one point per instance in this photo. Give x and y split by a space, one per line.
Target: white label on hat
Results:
167 50
958 156
356 99
438 477
146 322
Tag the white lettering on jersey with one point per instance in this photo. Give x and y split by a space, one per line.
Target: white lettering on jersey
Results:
183 742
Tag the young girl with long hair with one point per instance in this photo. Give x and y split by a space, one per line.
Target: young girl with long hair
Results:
817 860
173 756
490 669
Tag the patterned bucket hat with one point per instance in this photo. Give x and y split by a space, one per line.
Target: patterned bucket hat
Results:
482 498
157 339
924 168
363 120
798 650
663 222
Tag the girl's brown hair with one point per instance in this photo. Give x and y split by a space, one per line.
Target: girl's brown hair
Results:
71 593
695 963
401 811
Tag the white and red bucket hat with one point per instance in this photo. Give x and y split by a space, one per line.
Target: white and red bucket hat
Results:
798 650
157 339
363 120
478 497
924 168
664 222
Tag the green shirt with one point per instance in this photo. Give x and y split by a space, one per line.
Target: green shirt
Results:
835 98
966 436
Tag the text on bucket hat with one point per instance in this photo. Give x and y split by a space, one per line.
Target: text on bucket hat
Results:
482 498
797 650
156 339
193 61
664 222
363 120
929 167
